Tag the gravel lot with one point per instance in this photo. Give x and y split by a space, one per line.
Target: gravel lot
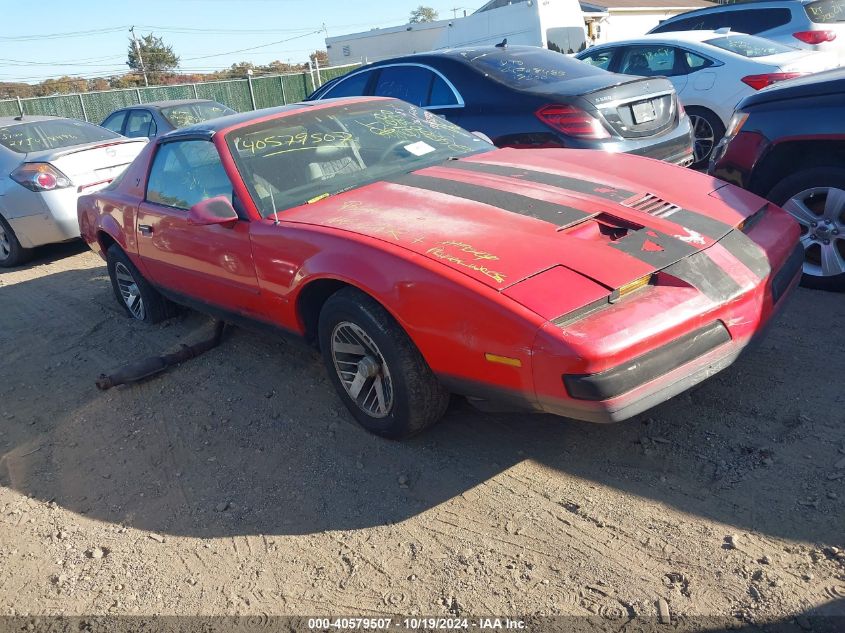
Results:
238 484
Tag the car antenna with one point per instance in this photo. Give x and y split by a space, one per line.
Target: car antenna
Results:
503 43
19 117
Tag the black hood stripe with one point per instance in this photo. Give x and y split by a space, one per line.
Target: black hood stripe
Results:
653 247
558 214
748 252
709 278
700 223
706 226
578 185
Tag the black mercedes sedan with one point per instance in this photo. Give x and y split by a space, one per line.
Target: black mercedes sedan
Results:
529 97
787 143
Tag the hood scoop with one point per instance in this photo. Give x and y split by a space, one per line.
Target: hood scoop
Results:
653 205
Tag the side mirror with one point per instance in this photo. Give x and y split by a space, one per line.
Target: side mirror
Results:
217 210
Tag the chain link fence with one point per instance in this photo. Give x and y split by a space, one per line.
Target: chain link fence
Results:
239 94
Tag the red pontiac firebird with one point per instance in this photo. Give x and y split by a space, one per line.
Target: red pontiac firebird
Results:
423 261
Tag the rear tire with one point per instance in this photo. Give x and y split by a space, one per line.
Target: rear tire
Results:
139 299
815 197
376 369
707 130
11 251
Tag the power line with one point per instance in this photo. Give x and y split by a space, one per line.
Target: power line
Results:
53 36
252 48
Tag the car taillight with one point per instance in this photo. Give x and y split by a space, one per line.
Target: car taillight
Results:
40 177
572 121
681 109
759 82
815 37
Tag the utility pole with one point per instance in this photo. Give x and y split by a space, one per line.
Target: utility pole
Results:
140 59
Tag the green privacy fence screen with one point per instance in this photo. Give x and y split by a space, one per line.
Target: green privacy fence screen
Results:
265 92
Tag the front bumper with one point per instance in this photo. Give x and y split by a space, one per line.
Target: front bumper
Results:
645 381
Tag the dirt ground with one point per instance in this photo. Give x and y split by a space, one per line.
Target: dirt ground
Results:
238 484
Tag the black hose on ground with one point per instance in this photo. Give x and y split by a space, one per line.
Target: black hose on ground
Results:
142 369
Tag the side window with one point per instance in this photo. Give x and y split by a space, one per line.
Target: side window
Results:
138 123
648 61
409 83
696 23
441 94
115 122
599 59
185 172
749 20
696 62
351 87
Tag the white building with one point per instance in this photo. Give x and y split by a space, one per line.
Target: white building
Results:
564 25
613 20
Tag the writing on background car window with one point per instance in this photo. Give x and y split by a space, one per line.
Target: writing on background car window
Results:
402 125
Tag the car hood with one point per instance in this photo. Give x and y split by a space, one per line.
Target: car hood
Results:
507 215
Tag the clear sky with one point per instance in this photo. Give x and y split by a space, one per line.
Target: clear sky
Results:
89 38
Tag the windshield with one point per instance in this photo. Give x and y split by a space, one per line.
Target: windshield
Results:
303 158
826 11
190 113
51 134
749 45
528 67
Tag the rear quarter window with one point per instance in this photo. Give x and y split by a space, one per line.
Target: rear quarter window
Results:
826 11
52 134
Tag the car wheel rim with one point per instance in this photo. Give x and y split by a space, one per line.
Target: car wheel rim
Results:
5 245
362 369
704 137
129 291
821 213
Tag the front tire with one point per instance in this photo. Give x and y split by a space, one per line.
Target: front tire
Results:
11 251
139 299
707 131
816 199
376 369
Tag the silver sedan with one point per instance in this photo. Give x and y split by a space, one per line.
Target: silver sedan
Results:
46 163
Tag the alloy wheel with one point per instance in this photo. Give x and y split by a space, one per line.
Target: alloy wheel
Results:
362 369
705 137
5 244
129 291
821 213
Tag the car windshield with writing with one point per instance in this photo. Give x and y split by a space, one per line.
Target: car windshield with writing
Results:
826 11
749 45
51 134
190 113
528 68
303 158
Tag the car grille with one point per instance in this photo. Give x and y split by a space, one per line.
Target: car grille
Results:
653 205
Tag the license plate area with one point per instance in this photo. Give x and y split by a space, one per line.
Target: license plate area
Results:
643 112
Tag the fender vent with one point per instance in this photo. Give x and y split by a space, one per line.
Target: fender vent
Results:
651 204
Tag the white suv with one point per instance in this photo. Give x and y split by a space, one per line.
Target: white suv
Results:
812 24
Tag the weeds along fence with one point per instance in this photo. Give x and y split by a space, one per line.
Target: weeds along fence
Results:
239 94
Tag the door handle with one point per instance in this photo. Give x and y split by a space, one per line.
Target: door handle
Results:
145 229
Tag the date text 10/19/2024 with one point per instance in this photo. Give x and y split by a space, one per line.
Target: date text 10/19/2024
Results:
416 623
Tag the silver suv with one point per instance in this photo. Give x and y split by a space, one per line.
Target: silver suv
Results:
811 24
